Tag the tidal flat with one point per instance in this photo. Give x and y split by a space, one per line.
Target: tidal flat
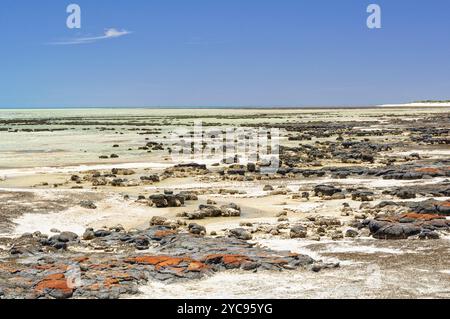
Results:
93 204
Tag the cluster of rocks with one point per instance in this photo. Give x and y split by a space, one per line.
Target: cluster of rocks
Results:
205 211
424 220
429 206
330 192
169 199
404 226
313 227
150 179
431 135
186 170
427 190
62 271
364 151
387 220
252 171
412 171
350 151
152 146
326 190
249 169
117 177
348 148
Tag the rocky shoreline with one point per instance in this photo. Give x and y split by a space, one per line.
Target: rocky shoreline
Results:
383 177
48 268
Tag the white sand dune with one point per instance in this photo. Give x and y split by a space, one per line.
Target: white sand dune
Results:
416 105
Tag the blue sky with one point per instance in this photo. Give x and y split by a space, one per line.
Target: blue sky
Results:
223 53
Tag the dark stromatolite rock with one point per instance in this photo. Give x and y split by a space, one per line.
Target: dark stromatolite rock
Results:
430 206
102 233
326 190
207 211
240 233
405 194
298 231
399 172
187 168
118 182
351 233
151 178
88 204
407 225
410 192
363 195
67 237
159 200
189 196
197 229
395 231
428 234
172 200
158 221
89 234
251 167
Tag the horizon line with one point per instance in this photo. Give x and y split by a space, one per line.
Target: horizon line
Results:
190 107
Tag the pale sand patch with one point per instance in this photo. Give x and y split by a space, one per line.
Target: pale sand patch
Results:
28 181
232 284
46 194
294 245
109 212
8 173
356 281
350 247
315 249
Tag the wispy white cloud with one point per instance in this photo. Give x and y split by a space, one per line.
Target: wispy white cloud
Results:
108 34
